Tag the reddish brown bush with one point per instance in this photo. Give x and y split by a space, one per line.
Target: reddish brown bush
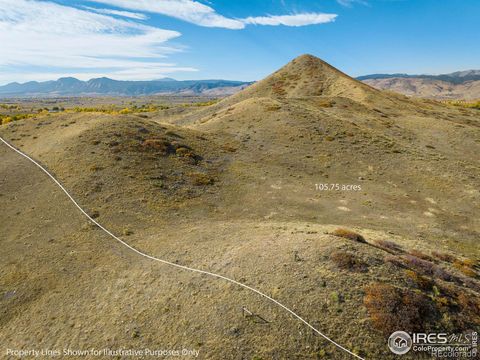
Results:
348 234
347 261
159 145
391 308
466 267
472 284
440 273
389 245
395 260
420 281
428 268
443 256
421 255
463 308
423 266
469 304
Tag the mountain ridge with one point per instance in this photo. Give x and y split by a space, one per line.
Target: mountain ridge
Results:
457 77
459 85
107 86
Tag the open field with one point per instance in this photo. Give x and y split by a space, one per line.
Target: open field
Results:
356 208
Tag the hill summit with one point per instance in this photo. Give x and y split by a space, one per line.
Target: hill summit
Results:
307 76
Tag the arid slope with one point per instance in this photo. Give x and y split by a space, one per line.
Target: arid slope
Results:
234 188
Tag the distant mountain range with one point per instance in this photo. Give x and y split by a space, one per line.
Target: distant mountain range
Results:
457 85
458 77
69 86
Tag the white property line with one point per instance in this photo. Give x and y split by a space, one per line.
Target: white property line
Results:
177 265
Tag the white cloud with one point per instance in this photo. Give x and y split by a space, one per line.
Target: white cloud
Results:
291 20
187 10
349 3
127 14
203 15
44 39
63 40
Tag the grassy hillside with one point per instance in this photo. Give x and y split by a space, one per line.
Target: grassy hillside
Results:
354 207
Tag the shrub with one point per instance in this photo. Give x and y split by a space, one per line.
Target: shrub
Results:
443 256
392 308
421 255
463 103
205 103
325 103
127 231
468 272
96 168
396 261
428 268
159 145
273 107
464 263
125 111
336 298
347 234
463 308
466 267
420 281
6 120
200 179
469 262
347 261
425 267
184 152
229 148
472 284
440 273
469 306
468 303
389 245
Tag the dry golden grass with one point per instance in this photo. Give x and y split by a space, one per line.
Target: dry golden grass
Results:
466 267
200 179
348 234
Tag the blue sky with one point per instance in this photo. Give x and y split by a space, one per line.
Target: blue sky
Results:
232 39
